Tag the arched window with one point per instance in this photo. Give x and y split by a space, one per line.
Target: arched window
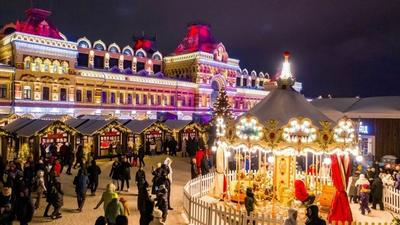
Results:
83 44
38 63
99 47
127 51
56 66
114 49
65 67
27 62
46 66
140 54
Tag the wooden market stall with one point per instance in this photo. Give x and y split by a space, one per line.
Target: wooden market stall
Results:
7 118
183 129
98 135
5 138
30 134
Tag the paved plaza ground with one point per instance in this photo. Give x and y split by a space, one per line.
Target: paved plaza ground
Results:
181 174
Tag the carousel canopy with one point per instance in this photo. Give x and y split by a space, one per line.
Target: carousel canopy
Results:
17 124
284 104
138 126
372 107
32 128
177 124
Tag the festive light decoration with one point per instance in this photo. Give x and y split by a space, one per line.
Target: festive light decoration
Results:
220 127
359 158
327 161
248 129
286 72
222 107
299 131
344 132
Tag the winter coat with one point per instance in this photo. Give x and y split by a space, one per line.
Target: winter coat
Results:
300 191
352 189
81 184
292 217
313 217
377 189
193 170
24 209
249 201
140 178
115 172
114 209
57 195
168 168
93 172
204 166
125 169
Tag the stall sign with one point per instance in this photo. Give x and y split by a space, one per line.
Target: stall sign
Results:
55 136
111 133
154 132
365 128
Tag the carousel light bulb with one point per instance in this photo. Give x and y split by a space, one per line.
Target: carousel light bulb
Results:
214 148
327 161
270 159
228 154
359 158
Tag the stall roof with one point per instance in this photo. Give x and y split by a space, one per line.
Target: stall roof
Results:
62 117
177 124
92 126
32 128
138 126
372 107
75 122
96 117
17 124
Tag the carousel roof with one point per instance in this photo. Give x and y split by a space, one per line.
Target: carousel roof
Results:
17 124
334 108
177 124
138 126
32 128
285 104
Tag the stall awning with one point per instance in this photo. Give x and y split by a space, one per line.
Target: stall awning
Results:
33 128
177 125
75 122
138 126
17 124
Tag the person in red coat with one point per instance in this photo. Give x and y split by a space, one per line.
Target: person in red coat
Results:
57 168
199 157
301 193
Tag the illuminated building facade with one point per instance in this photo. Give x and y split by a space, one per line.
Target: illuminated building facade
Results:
41 72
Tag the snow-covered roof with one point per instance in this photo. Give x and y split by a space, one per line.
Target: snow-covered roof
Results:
372 107
285 104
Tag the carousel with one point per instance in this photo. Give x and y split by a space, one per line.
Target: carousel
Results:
283 149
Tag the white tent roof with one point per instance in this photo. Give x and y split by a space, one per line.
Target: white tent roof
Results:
284 104
372 107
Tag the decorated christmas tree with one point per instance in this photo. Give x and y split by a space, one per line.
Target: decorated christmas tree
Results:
222 107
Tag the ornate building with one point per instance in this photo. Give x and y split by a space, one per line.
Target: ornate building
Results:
41 72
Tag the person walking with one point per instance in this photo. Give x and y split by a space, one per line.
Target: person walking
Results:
377 193
125 204
141 156
24 207
362 185
352 189
81 182
107 196
140 178
168 181
40 187
69 158
79 156
125 173
93 174
204 166
114 209
115 173
162 202
57 199
111 151
172 146
193 168
249 201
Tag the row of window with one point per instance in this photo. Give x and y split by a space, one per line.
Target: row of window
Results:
243 82
46 65
27 93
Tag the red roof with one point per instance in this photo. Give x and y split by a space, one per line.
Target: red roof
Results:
198 38
37 23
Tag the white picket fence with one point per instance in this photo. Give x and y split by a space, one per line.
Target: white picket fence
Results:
391 199
200 212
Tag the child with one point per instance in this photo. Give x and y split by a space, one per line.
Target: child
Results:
124 203
362 185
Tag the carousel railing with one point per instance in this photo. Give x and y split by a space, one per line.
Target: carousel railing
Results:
391 199
200 212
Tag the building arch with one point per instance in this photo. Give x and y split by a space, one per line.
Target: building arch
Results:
157 56
99 45
114 48
84 43
127 50
141 53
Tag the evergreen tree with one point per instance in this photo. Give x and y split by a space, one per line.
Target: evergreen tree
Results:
221 107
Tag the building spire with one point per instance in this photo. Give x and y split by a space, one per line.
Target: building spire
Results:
286 78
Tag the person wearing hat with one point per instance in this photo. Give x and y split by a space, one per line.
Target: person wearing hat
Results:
114 209
157 218
107 196
362 185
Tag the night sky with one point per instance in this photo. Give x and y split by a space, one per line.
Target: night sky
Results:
343 48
